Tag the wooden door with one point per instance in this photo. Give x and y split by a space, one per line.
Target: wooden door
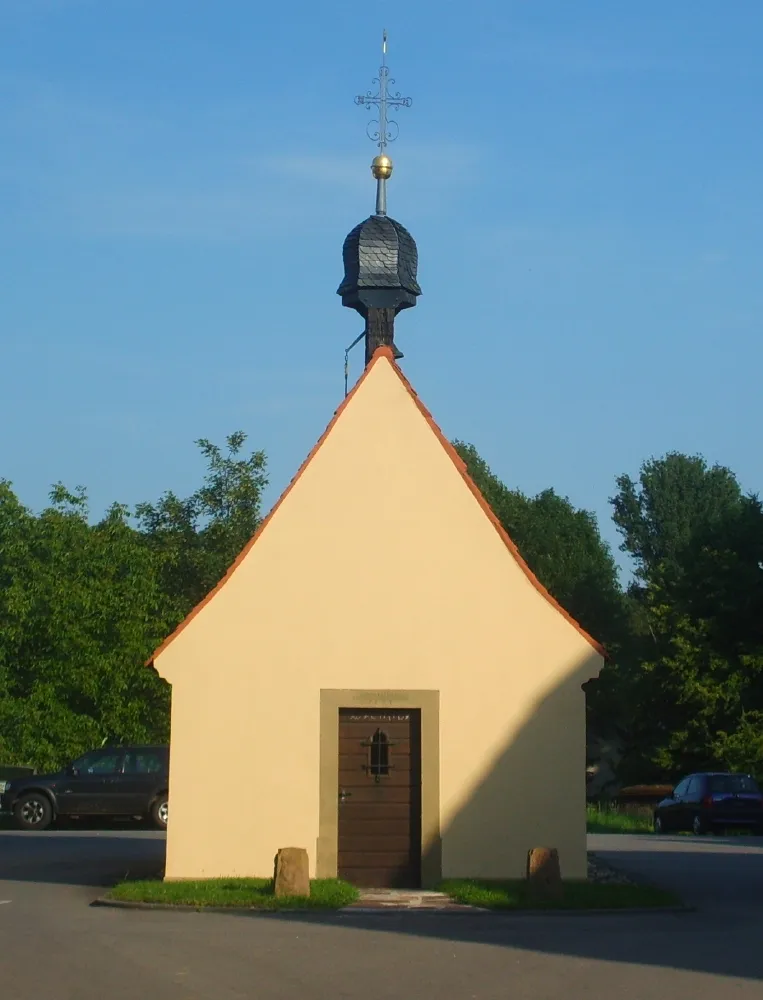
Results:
380 797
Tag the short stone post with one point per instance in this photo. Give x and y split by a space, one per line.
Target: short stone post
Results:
544 877
292 872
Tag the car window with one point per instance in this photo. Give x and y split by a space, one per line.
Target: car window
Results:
731 784
680 790
694 789
98 762
143 762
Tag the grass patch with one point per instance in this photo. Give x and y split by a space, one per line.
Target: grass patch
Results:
250 893
578 895
608 819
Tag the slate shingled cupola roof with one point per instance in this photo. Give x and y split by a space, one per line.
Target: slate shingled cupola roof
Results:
380 263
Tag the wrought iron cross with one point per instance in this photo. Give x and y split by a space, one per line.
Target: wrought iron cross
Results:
387 128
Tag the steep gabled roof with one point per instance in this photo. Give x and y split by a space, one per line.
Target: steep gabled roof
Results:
386 354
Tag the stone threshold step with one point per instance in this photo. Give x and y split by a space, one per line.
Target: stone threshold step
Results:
406 899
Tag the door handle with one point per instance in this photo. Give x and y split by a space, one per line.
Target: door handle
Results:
344 794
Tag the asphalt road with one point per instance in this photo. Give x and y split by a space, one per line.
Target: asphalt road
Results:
54 946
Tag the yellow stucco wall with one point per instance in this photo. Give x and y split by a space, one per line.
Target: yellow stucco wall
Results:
378 571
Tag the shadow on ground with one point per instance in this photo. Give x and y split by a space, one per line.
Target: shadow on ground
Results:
722 938
703 941
672 941
98 858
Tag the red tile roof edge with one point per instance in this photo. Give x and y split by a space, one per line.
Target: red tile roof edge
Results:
386 352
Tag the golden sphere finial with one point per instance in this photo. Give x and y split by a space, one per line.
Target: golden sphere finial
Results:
381 167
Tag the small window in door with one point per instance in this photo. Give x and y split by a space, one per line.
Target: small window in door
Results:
378 766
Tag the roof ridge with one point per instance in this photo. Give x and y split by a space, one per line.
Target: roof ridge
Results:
387 353
487 509
380 352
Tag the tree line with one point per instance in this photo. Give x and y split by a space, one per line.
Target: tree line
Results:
83 605
683 689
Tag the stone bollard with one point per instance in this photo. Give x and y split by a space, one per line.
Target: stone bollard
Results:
292 872
544 878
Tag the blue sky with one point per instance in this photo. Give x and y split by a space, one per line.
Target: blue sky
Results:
176 180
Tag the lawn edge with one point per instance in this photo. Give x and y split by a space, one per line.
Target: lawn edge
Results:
481 911
125 904
135 904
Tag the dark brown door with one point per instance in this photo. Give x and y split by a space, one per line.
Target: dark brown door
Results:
380 797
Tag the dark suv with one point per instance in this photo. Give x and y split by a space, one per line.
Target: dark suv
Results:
711 801
110 782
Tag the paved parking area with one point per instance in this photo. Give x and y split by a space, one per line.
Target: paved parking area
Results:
53 945
716 874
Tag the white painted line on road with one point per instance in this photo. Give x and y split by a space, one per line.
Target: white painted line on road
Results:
4 901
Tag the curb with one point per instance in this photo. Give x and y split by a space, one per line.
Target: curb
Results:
128 904
632 911
348 911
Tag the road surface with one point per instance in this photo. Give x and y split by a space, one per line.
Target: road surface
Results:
54 945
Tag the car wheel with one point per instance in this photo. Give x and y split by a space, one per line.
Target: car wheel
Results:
160 812
698 826
659 826
33 811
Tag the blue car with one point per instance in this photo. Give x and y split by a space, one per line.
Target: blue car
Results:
711 801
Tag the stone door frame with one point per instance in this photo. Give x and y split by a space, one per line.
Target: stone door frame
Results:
428 703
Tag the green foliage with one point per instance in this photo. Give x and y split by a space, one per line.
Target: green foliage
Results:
576 895
82 605
694 667
684 685
742 749
197 539
722 579
80 608
676 497
608 819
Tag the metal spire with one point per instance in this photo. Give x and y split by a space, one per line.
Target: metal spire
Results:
382 130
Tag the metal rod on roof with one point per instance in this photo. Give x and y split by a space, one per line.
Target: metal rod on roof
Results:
347 361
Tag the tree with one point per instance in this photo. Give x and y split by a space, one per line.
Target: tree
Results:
82 605
81 608
199 537
694 667
676 496
722 579
742 748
